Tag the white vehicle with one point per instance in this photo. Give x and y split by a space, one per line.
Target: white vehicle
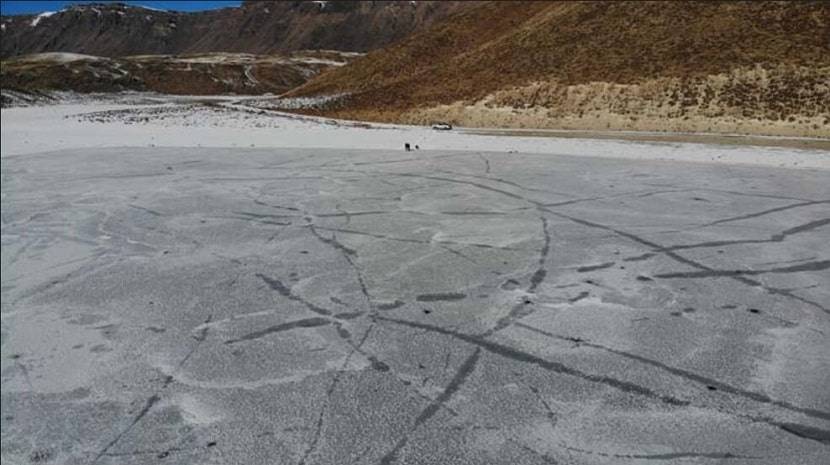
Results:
442 126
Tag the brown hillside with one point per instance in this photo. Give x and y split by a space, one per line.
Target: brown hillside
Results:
200 74
501 46
261 27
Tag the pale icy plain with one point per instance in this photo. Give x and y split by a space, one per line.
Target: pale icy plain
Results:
198 281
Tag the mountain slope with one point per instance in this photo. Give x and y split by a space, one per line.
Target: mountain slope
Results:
201 74
260 27
742 66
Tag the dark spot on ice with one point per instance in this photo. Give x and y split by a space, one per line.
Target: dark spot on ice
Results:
343 332
391 305
304 252
348 316
80 393
211 443
688 310
581 296
426 310
805 431
643 278
303 323
40 455
711 388
537 278
510 284
378 365
754 310
440 297
729 307
584 269
155 329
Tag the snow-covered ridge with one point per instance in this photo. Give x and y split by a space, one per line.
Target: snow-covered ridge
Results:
39 17
149 8
318 61
60 57
114 6
118 8
300 57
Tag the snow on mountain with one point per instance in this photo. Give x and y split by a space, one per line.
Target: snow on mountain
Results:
150 8
261 27
39 17
61 57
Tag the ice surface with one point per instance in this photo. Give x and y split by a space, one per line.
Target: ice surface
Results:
173 295
46 128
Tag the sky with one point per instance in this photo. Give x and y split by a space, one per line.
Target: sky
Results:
27 7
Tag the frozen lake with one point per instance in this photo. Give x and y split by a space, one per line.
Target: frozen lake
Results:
197 305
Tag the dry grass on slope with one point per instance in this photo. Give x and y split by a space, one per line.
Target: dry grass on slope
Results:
406 73
507 45
745 101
